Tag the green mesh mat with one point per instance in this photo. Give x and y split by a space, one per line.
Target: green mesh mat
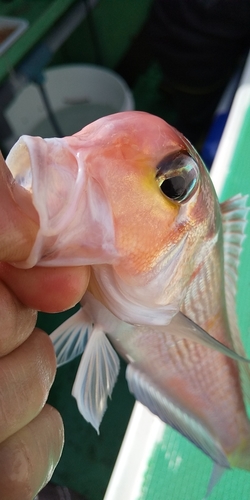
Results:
177 470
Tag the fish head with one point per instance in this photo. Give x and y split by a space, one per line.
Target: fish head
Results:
166 215
129 196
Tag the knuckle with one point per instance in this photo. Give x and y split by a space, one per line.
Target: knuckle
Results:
16 467
17 322
29 457
26 376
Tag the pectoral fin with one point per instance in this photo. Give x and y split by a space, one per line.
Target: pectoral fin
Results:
214 478
96 377
183 327
152 396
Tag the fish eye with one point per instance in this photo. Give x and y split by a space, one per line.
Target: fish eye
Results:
177 176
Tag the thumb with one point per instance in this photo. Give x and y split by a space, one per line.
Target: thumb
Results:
17 229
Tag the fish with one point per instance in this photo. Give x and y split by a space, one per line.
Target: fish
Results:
129 197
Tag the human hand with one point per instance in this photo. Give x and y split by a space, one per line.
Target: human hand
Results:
31 432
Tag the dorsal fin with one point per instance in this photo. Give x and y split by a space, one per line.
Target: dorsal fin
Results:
234 219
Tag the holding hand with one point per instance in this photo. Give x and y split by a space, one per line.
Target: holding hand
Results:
31 432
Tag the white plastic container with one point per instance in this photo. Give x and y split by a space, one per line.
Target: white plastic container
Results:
79 94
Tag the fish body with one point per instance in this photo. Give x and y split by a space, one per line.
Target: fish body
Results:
130 197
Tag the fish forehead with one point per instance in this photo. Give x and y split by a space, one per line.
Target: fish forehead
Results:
137 129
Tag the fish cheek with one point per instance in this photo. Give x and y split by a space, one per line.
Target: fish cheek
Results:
143 242
143 217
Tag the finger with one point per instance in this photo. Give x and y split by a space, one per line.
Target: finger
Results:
26 375
17 321
29 457
17 229
47 289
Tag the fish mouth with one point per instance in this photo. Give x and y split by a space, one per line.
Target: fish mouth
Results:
76 224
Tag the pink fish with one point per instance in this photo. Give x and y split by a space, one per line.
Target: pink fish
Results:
129 196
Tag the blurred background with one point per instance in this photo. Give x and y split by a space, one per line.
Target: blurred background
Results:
64 63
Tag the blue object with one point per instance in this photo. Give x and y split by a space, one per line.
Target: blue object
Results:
33 65
213 138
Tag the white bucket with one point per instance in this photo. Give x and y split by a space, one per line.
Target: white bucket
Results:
79 94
